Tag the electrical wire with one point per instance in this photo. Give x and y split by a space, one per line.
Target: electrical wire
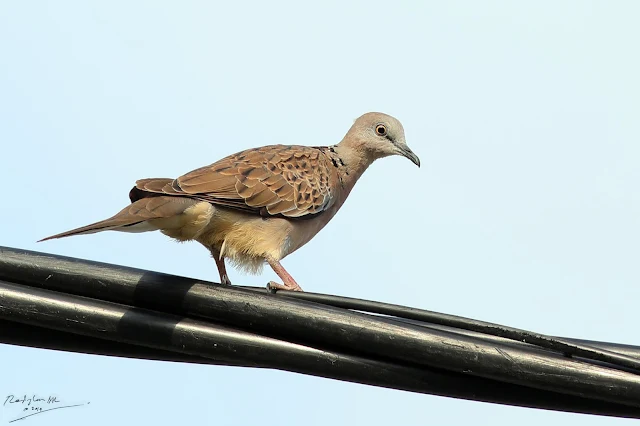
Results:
149 315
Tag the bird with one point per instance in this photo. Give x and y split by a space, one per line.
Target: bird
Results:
257 206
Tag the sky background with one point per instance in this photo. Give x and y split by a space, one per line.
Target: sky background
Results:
526 210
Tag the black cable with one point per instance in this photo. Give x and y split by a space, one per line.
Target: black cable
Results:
570 347
195 341
35 336
474 361
14 258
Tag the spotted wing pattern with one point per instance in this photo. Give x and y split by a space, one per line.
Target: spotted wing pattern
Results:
276 180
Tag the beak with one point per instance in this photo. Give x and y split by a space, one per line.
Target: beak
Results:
406 152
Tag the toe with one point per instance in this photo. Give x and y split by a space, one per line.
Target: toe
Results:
274 286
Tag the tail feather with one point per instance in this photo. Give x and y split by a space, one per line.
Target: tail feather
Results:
134 217
103 225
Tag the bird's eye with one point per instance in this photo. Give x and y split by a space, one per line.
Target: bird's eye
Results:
381 130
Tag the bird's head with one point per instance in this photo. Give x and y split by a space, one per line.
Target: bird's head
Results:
379 135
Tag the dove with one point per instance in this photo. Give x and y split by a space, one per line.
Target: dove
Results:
259 205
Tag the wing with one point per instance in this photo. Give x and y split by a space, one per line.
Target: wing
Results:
275 180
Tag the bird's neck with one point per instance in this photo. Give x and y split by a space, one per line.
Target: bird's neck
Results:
351 161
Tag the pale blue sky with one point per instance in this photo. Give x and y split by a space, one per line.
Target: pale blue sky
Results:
526 210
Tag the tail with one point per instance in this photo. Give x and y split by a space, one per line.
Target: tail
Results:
135 217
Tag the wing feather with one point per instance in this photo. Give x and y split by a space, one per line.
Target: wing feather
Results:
276 180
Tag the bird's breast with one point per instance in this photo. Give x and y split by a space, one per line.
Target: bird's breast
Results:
239 235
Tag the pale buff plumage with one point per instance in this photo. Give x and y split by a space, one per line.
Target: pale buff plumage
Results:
261 204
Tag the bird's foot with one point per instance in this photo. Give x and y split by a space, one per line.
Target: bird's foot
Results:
274 286
288 282
225 280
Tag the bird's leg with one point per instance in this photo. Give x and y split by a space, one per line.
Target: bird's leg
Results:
288 283
224 278
222 269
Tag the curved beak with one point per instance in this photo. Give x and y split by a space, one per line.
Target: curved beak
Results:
405 151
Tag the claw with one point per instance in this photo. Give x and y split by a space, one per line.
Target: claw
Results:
274 286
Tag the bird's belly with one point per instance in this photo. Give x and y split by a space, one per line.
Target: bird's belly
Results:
246 240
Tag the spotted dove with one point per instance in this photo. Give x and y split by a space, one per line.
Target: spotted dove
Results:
260 204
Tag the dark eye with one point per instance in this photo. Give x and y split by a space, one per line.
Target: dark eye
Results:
381 130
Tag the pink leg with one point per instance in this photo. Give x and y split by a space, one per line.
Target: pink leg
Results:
288 282
224 278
